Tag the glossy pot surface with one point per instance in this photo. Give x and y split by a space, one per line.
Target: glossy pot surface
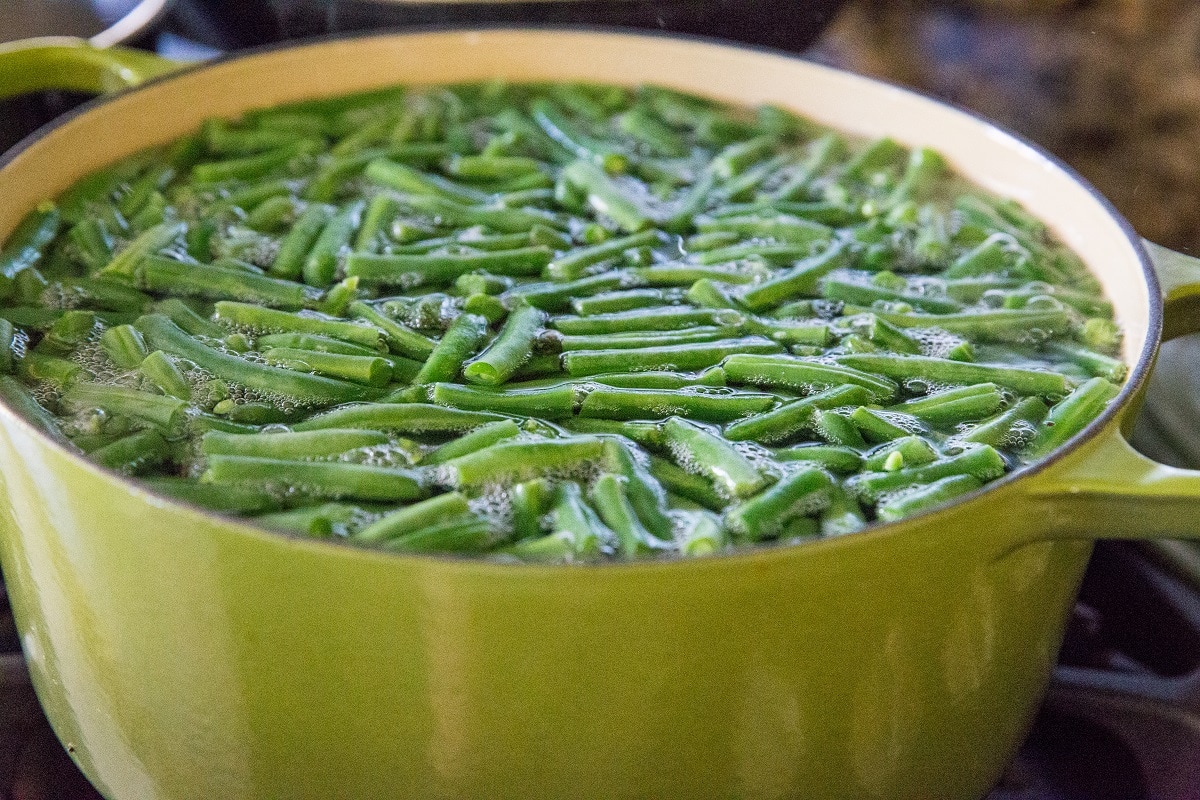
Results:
180 655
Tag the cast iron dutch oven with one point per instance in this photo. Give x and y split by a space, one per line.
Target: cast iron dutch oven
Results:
183 655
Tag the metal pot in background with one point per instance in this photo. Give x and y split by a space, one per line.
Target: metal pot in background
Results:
103 23
786 24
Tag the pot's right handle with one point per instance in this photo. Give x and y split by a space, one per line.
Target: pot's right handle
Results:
1113 491
65 63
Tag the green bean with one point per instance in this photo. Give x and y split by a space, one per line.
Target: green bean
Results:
220 138
26 245
796 373
843 515
714 376
132 454
400 338
1012 428
687 274
699 451
413 518
39 367
679 357
779 227
832 457
478 439
926 497
880 426
610 496
242 316
607 197
823 151
632 340
1072 415
1096 364
165 413
124 266
629 404
18 398
944 371
444 268
416 418
837 429
186 318
647 434
571 266
253 167
530 502
854 288
68 332
483 283
458 344
560 130
162 334
161 274
160 369
382 209
522 460
801 493
124 346
511 347
291 446
298 243
799 280
34 318
914 451
789 419
771 253
554 402
954 406
642 124
321 265
366 370
502 219
683 483
979 461
924 168
669 318
334 479
227 499
553 297
93 242
576 524
645 494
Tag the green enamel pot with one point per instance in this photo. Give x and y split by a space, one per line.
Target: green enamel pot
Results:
179 654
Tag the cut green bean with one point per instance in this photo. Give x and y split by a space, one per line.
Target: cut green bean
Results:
162 334
333 479
789 419
679 357
945 371
522 460
509 350
979 461
926 497
801 493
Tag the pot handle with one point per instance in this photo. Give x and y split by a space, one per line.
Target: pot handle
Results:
1110 490
66 63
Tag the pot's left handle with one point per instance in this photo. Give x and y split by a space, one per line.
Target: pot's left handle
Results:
64 63
1109 490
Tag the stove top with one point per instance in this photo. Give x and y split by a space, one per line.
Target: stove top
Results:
1121 720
